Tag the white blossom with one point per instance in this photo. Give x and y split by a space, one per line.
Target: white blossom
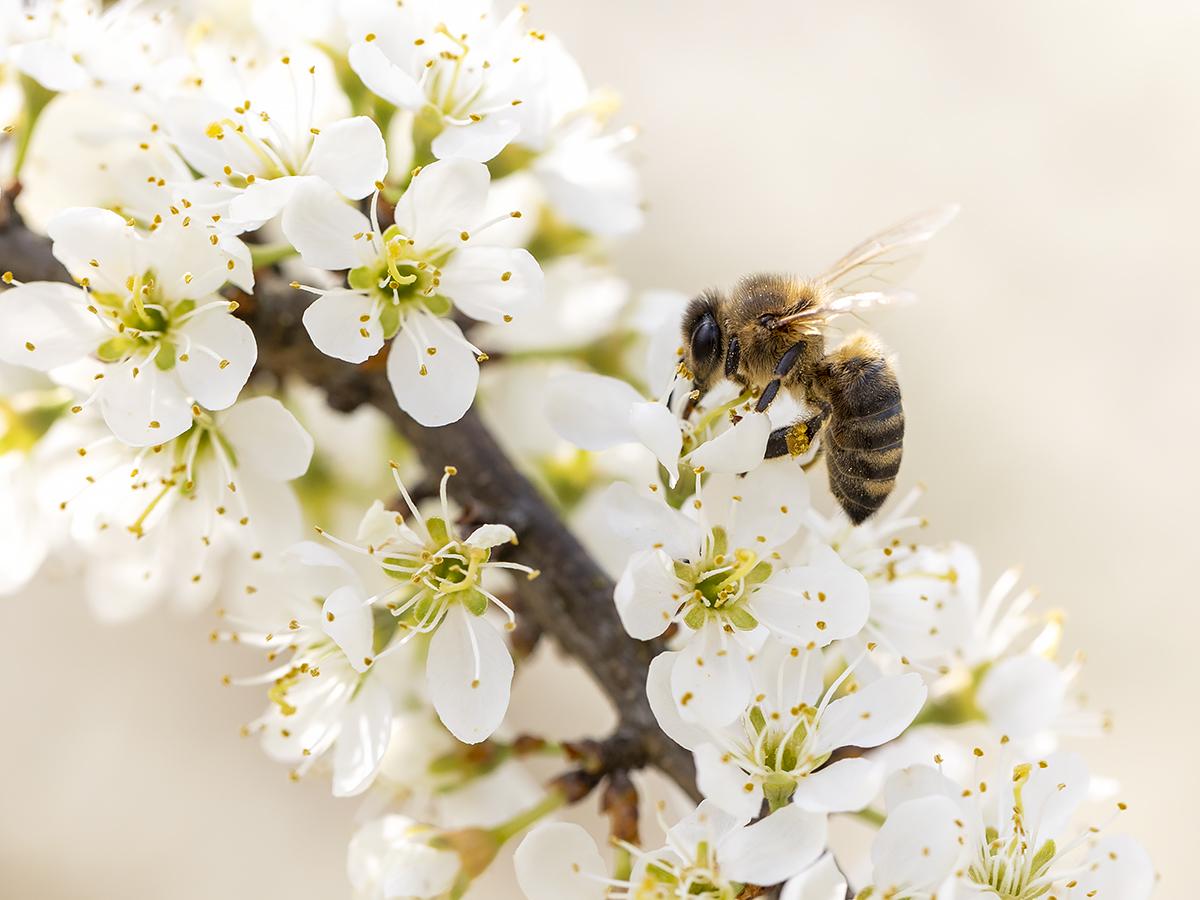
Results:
779 746
709 854
391 859
144 313
161 522
1006 836
405 279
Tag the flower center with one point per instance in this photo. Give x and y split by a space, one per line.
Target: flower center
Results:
720 583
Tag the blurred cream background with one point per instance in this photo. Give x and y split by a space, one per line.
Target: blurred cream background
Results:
1048 373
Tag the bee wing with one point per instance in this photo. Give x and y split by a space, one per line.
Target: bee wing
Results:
852 303
889 255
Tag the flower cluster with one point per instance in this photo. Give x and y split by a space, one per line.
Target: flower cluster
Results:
415 189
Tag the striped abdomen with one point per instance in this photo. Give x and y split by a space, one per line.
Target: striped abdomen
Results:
864 438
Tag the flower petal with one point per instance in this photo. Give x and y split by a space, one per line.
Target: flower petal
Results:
442 200
144 409
736 450
657 428
336 321
847 785
50 64
662 704
220 352
723 782
917 847
711 678
648 594
363 739
1117 866
872 715
814 604
434 388
347 618
469 675
1022 695
322 228
775 848
44 325
646 522
268 440
821 881
82 236
487 536
479 141
349 155
560 860
492 283
384 78
765 508
262 201
591 411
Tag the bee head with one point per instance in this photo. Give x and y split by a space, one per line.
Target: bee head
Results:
703 342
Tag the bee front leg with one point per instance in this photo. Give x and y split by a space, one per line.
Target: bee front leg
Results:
786 363
795 439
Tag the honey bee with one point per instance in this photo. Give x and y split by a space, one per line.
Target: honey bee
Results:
770 334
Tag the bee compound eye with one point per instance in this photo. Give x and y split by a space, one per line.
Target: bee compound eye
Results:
705 338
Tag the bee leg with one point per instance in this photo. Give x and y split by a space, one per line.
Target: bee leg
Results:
786 363
692 400
795 439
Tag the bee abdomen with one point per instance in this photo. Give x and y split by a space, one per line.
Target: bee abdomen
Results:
864 441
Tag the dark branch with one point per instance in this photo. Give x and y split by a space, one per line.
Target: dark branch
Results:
571 601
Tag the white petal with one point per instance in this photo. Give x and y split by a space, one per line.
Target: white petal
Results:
816 604
434 389
84 235
591 411
347 618
560 860
322 227
775 848
474 279
918 846
736 450
662 704
1022 695
657 428
772 502
648 594
363 739
479 141
149 408
419 871
384 78
50 64
873 714
723 782
262 201
221 352
317 569
647 522
469 675
187 264
711 678
350 155
1053 793
443 199
336 321
486 536
915 782
821 881
44 325
1118 866
267 438
847 785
